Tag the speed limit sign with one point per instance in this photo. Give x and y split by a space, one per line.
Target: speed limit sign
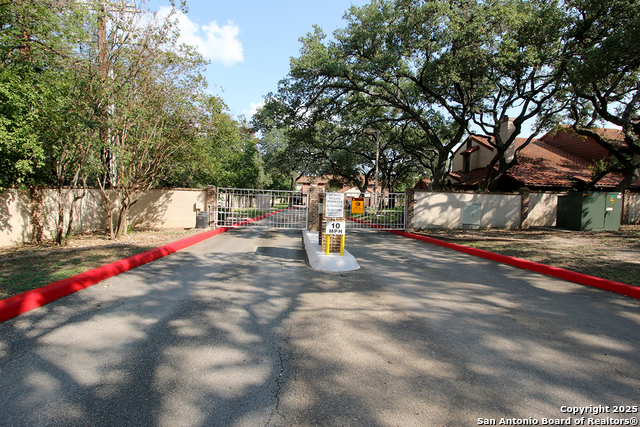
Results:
335 227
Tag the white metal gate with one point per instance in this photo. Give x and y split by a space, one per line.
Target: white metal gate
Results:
240 207
386 211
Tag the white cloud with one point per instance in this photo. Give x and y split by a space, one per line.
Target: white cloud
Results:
254 107
215 43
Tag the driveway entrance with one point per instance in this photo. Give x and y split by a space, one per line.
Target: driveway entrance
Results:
237 331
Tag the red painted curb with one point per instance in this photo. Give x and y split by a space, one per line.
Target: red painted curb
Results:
26 301
21 303
571 276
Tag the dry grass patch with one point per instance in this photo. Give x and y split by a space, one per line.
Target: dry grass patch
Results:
607 254
30 266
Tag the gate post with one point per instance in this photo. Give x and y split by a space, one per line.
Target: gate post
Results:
314 200
212 204
409 204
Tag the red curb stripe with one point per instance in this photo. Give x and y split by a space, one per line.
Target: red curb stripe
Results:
29 300
26 301
571 276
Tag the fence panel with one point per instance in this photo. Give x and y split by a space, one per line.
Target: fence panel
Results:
239 207
386 211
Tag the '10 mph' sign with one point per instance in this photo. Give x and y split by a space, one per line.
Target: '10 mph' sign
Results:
335 227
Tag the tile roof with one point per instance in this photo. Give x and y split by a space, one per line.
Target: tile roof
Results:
483 140
544 166
470 150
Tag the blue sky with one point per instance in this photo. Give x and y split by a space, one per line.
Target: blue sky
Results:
250 42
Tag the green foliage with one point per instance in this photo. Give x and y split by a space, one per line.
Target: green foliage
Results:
21 152
603 74
224 153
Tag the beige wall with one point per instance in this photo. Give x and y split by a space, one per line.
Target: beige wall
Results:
634 208
14 217
542 210
176 208
160 208
15 214
168 208
444 210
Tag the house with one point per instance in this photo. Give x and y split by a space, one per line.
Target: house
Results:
559 160
423 184
305 182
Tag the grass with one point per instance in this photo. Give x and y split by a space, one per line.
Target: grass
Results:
30 266
385 216
26 272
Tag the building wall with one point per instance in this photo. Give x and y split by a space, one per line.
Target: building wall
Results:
444 210
485 155
479 159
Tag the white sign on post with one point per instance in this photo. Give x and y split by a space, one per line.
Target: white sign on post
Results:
334 205
335 227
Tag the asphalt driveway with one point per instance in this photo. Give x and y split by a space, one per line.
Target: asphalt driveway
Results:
239 331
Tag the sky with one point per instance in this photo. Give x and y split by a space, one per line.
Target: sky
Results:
249 42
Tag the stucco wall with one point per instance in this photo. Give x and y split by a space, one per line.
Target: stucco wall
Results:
160 208
14 217
168 208
542 210
444 210
634 208
15 214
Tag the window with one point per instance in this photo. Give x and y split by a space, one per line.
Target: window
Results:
466 166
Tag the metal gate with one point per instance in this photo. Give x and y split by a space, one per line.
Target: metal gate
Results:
386 211
239 207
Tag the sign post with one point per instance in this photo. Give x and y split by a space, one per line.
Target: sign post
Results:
333 218
335 228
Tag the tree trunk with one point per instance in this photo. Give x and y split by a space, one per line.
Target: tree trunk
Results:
440 171
624 184
37 213
60 223
122 220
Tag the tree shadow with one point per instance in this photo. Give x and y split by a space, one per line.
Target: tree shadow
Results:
238 331
14 212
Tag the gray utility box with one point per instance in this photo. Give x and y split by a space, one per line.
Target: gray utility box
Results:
589 210
201 220
471 216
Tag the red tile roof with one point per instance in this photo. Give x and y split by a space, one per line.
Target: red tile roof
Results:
541 165
483 140
470 150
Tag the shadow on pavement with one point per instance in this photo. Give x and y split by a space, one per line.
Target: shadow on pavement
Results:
239 331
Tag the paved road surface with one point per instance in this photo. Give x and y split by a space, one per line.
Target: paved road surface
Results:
239 331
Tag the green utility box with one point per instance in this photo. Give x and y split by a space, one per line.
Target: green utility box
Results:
589 210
